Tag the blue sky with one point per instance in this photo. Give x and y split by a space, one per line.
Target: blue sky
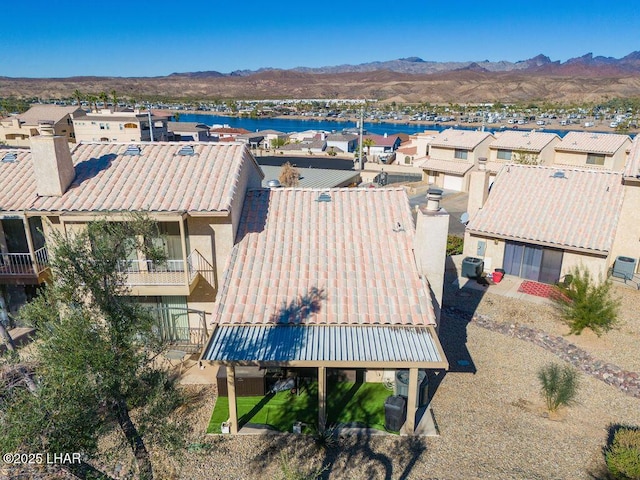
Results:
60 38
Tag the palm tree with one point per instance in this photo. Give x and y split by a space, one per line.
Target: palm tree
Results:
105 98
114 97
93 100
368 142
79 97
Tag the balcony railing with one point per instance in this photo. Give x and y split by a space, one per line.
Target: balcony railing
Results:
22 264
167 272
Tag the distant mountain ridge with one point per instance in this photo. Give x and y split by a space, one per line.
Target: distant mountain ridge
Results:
416 65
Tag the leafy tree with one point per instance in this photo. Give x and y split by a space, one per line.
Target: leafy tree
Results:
92 355
289 176
525 158
559 385
585 303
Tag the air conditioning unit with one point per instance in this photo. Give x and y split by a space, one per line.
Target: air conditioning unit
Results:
624 267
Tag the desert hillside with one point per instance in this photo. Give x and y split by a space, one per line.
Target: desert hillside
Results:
457 86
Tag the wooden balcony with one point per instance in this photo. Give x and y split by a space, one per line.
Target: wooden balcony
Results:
24 268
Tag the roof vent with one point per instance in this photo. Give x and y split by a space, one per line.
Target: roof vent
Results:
186 150
274 183
324 197
132 150
559 174
10 157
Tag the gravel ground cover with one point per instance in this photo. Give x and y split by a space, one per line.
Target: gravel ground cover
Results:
488 409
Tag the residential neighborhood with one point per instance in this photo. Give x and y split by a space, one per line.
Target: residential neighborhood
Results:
268 291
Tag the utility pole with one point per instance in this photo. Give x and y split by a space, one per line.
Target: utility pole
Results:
150 124
360 144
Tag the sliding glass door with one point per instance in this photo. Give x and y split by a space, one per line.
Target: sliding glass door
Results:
532 262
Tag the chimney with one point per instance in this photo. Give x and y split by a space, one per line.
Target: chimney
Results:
430 245
52 162
478 188
385 135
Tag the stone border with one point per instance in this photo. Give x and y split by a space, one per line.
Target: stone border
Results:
626 381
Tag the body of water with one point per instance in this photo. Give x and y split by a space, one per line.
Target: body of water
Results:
296 125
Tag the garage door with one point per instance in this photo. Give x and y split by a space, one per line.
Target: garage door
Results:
453 182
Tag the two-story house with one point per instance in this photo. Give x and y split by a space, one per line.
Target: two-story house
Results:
122 126
529 148
452 155
195 193
540 222
593 150
16 130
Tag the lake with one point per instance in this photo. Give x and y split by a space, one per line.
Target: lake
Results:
295 125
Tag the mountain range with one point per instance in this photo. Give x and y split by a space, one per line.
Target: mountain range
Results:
586 64
406 80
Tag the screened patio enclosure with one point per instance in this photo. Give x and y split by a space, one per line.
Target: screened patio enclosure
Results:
533 262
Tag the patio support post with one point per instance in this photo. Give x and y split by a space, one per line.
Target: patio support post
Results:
410 425
233 407
32 255
322 398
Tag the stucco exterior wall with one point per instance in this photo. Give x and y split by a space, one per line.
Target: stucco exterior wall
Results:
613 162
627 239
597 266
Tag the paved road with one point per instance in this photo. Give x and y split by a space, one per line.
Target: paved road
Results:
453 202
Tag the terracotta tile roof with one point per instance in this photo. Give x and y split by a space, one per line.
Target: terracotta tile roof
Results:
525 141
528 203
408 150
290 242
157 180
632 167
586 142
452 138
457 167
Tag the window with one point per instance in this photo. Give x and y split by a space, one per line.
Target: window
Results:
595 159
461 154
504 154
130 125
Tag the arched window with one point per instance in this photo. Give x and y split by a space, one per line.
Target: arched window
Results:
130 125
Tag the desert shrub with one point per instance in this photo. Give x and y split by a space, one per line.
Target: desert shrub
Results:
454 245
559 385
289 176
623 456
585 303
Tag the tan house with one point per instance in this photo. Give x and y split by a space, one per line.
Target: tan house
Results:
511 146
16 130
305 288
110 126
593 150
452 155
539 222
195 193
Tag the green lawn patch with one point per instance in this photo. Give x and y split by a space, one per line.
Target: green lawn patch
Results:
347 402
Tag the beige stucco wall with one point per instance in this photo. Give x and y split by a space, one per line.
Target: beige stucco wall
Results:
63 127
611 162
429 246
494 251
627 239
597 266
